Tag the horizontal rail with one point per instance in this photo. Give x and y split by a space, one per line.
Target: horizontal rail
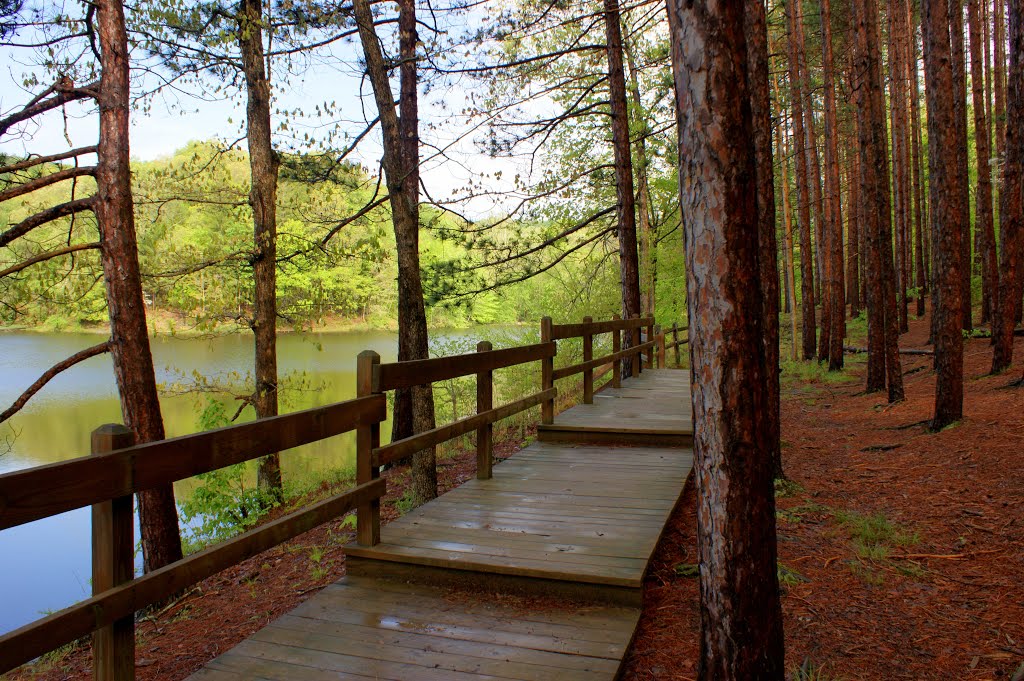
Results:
422 371
410 445
595 363
559 331
44 491
32 640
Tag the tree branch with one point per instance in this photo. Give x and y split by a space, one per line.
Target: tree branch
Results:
39 160
47 256
50 373
45 181
65 92
41 218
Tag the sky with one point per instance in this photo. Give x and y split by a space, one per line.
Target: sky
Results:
172 120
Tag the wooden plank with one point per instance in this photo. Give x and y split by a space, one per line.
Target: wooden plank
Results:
312 637
372 636
422 371
245 667
43 491
403 448
30 641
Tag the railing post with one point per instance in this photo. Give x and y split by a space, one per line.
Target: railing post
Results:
616 348
113 563
660 337
547 368
485 433
367 439
650 353
675 341
588 354
635 359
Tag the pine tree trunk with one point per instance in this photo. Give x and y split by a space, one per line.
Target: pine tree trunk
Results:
648 238
833 232
789 274
1011 207
956 35
1000 85
883 321
984 227
756 30
629 268
741 618
945 177
119 256
915 134
803 201
263 164
401 169
853 233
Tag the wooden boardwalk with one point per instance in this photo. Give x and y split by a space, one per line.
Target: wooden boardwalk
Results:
450 592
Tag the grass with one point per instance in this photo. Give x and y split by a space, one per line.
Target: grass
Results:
811 671
873 537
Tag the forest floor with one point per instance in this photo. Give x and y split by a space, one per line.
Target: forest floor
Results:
901 551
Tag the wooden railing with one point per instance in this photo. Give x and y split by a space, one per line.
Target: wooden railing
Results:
107 480
587 330
676 343
117 470
374 378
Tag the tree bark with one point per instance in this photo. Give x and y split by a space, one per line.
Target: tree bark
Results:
853 231
648 236
756 33
833 231
999 73
920 221
983 224
900 159
629 269
940 90
1011 207
956 41
263 164
883 321
129 340
803 201
401 163
741 618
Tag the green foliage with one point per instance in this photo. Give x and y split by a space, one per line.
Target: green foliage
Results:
688 570
788 576
811 671
225 502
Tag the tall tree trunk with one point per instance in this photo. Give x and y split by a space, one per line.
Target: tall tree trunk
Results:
629 268
900 157
648 237
401 168
853 221
789 273
999 73
817 198
883 321
263 163
756 30
803 201
983 223
741 618
956 35
119 256
833 231
915 135
944 174
1011 207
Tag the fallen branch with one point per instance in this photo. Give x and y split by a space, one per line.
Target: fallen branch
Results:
57 368
850 350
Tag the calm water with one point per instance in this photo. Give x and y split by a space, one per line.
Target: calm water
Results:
44 565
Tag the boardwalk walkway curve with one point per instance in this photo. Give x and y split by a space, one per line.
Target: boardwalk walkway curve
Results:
534 570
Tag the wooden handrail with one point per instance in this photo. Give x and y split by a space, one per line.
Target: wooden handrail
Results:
422 371
429 438
32 640
564 372
44 491
560 331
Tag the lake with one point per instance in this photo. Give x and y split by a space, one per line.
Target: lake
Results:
45 565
